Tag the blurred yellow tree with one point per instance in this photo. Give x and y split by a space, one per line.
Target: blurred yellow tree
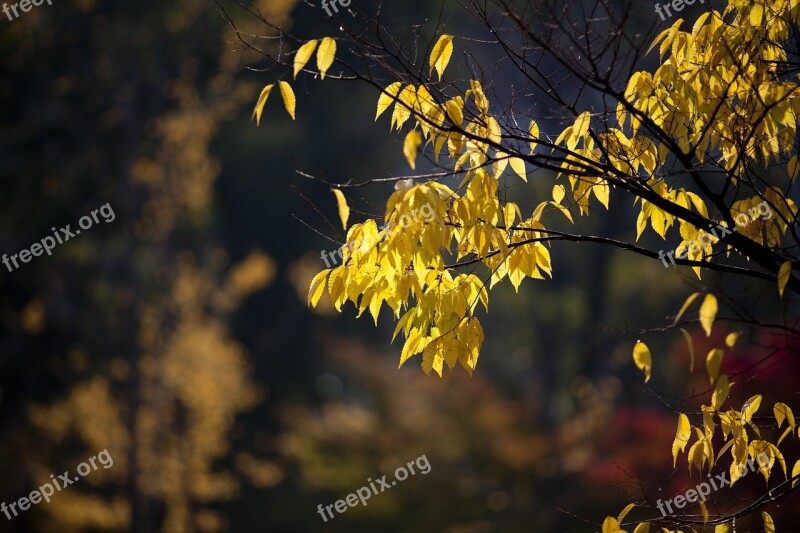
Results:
164 395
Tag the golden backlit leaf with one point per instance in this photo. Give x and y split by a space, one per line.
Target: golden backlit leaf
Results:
708 312
302 56
784 274
643 360
344 209
440 56
325 55
681 437
262 100
288 98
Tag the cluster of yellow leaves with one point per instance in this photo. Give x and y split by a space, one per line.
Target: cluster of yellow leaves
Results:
706 315
325 56
715 92
406 269
712 85
740 436
394 266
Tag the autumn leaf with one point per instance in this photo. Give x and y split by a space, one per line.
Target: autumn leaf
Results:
690 347
721 390
558 193
454 112
750 407
440 56
708 311
302 56
288 98
685 306
262 100
344 209
730 339
325 55
784 274
769 524
713 363
610 525
317 287
681 436
641 356
518 166
782 413
533 131
704 510
387 97
410 145
625 512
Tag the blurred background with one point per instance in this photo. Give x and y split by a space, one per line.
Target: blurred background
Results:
177 338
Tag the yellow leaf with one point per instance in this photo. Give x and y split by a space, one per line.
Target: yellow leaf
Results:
783 276
602 192
325 55
303 55
690 345
721 390
317 287
288 98
769 525
336 287
262 99
454 112
564 210
722 528
756 14
582 125
533 131
412 142
750 407
344 209
644 527
625 512
440 56
518 166
704 510
783 412
641 356
713 362
375 307
403 106
681 436
610 525
795 473
558 193
386 98
730 339
708 311
685 306
564 135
